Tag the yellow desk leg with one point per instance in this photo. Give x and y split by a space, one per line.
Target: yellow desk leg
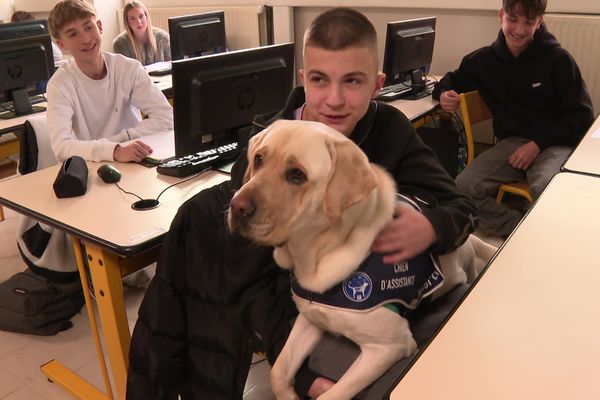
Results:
106 269
72 383
66 378
108 288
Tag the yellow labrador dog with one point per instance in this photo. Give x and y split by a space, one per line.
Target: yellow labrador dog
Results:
312 194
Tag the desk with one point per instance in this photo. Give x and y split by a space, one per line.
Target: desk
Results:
16 124
116 240
529 327
415 109
585 158
164 83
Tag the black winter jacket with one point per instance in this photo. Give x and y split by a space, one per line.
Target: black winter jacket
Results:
216 297
539 95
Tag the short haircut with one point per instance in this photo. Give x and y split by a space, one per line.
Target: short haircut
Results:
340 28
21 16
531 8
67 11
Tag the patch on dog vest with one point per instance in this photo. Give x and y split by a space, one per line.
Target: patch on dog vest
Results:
375 284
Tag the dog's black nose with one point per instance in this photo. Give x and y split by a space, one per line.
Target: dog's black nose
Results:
242 206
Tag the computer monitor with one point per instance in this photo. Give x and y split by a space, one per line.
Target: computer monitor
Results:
197 35
26 65
216 97
15 30
408 53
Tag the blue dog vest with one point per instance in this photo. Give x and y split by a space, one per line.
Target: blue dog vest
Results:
374 283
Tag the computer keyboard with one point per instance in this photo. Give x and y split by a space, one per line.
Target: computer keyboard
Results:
8 105
392 92
403 90
160 72
193 163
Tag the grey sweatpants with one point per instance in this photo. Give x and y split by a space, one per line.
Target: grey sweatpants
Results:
481 179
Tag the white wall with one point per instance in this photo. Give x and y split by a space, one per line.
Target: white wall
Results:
573 6
5 10
458 32
107 13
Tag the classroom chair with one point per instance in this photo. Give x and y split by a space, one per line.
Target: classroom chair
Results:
474 110
40 245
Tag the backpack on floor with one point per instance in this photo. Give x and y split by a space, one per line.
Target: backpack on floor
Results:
445 134
31 304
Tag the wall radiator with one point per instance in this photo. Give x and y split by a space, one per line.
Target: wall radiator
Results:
245 26
580 35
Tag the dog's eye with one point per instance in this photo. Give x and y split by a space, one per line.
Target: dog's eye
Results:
258 160
295 176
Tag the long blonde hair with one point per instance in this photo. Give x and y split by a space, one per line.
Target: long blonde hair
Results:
149 29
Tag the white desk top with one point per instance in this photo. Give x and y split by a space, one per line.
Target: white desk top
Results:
164 82
414 109
529 329
586 156
8 125
104 214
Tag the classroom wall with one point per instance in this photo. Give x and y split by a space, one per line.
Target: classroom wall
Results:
107 13
573 6
458 32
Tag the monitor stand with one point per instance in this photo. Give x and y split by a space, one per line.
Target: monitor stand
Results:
419 86
21 105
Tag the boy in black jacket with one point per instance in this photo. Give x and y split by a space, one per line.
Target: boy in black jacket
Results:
539 102
216 295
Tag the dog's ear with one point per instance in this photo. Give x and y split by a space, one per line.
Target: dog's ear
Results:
350 178
254 142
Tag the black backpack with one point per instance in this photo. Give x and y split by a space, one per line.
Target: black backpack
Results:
445 134
31 304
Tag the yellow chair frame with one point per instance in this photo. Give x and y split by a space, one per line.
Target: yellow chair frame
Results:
474 110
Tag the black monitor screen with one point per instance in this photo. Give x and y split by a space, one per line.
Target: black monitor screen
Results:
19 29
216 97
408 48
26 65
197 35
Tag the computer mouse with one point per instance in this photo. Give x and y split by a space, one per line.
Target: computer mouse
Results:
109 174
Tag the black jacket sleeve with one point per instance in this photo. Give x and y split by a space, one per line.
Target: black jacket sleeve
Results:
574 113
457 80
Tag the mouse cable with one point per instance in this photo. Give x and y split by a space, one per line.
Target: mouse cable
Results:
185 180
168 187
126 192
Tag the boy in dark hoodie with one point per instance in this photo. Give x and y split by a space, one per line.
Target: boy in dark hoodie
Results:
539 102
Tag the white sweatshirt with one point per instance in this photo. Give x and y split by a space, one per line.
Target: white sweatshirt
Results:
88 117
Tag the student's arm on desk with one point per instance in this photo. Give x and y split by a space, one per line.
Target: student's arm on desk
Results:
148 98
162 143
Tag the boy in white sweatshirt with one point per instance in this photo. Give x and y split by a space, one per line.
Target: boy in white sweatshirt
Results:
94 101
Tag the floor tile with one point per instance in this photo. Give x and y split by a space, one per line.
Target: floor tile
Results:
257 385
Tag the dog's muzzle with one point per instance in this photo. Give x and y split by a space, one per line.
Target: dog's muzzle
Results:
241 209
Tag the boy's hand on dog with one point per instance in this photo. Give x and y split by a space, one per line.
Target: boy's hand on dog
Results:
409 234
